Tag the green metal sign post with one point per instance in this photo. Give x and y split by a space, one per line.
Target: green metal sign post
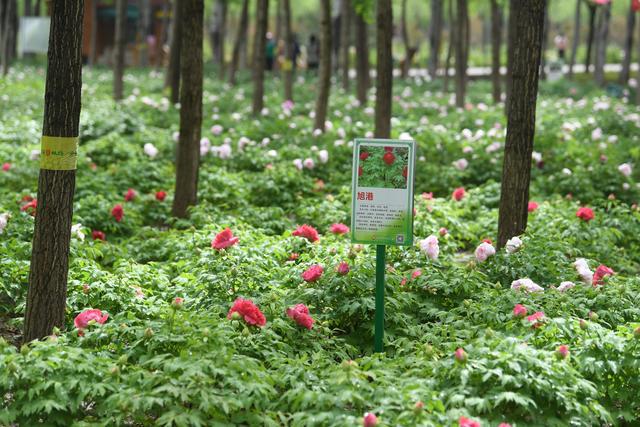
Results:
379 322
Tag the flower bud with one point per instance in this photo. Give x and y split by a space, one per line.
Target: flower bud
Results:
583 324
461 355
236 316
115 371
562 352
418 407
636 332
177 303
24 350
593 316
148 333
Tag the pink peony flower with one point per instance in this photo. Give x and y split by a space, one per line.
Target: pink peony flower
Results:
467 422
224 239
339 228
82 320
98 235
117 212
300 314
601 272
443 231
460 355
313 273
484 251
532 206
369 420
562 351
536 319
416 273
519 311
6 167
458 194
585 214
343 268
131 194
430 247
427 196
161 195
248 311
504 425
308 232
177 303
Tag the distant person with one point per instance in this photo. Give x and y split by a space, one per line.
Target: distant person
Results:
313 53
270 51
561 45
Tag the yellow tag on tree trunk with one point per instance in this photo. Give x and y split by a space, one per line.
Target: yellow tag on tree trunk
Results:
59 153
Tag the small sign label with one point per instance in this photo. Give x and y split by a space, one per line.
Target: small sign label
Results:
382 192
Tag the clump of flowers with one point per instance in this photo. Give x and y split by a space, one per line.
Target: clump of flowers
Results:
224 239
308 232
300 314
313 273
89 317
536 319
245 309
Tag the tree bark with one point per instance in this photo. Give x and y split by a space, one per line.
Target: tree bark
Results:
120 46
144 22
592 22
384 68
638 74
188 153
496 41
462 52
521 119
363 78
259 55
545 46
452 44
345 29
94 33
47 294
435 36
36 8
324 78
173 72
240 41
601 48
279 24
7 48
511 40
27 8
410 51
576 39
288 51
218 32
628 46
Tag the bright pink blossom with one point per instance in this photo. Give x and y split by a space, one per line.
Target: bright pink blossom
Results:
161 195
117 212
6 167
519 310
369 420
601 272
248 311
532 206
131 194
562 351
467 422
339 228
460 355
308 232
312 273
224 239
585 214
300 314
458 194
82 320
343 268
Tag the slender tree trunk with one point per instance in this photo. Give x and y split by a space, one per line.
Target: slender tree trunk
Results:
223 40
462 52
279 30
406 64
120 46
143 30
218 33
240 41
288 51
9 35
435 36
345 30
188 153
638 74
173 72
628 46
521 119
592 24
576 39
94 33
36 8
47 294
511 41
496 41
603 39
259 55
384 68
324 78
362 59
545 46
452 44
27 8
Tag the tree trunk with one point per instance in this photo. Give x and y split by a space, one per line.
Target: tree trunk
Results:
576 39
496 41
324 78
119 48
288 51
384 69
36 8
601 48
259 55
406 63
188 153
628 46
638 74
592 23
7 49
345 27
511 41
47 294
435 36
144 20
462 52
521 119
94 33
279 30
173 72
362 59
240 41
218 32
27 8
452 45
545 46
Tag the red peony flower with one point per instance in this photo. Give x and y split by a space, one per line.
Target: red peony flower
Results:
532 206
224 239
131 194
308 232
300 314
6 167
161 195
248 311
343 268
467 422
519 310
458 194
601 272
585 214
117 212
364 155
635 5
98 235
30 207
359 170
82 320
388 158
312 273
339 228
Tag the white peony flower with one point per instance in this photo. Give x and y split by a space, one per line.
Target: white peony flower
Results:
527 285
564 286
323 155
216 129
205 145
583 270
596 134
298 163
35 155
76 230
150 150
461 164
404 136
513 245
484 251
308 163
430 247
224 151
625 169
4 219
